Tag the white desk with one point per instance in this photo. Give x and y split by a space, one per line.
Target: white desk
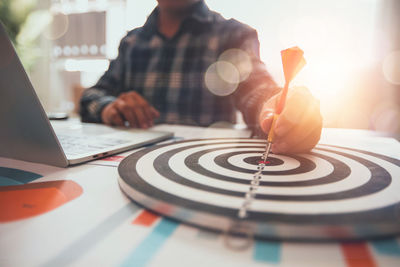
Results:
88 221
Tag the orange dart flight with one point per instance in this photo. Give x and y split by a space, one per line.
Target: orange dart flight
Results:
292 61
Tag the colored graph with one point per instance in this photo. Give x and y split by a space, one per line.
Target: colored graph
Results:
357 254
145 218
20 199
9 176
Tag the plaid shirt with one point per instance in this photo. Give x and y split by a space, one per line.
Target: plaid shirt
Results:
170 73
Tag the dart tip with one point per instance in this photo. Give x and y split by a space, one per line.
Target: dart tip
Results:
266 154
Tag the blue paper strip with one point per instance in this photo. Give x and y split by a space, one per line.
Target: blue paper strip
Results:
5 181
387 247
9 176
265 251
149 247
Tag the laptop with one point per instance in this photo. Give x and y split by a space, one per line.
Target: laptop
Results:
27 134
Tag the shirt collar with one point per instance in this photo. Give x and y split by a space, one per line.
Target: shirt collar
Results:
199 12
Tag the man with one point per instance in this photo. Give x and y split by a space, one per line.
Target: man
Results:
160 76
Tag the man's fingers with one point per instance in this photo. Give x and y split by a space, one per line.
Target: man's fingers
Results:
296 109
129 107
149 116
298 127
137 111
308 143
266 122
143 111
149 110
283 126
111 116
126 111
300 134
154 112
300 138
266 115
115 118
141 118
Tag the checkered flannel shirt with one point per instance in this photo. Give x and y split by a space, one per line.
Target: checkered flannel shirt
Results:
169 73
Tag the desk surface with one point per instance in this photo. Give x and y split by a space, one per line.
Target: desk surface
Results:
79 217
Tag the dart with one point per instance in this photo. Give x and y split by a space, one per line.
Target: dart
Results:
292 62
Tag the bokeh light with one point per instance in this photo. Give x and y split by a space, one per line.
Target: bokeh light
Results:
84 49
57 51
240 59
75 50
222 78
391 67
93 49
227 72
67 50
58 26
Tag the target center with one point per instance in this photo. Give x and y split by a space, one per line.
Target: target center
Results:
271 161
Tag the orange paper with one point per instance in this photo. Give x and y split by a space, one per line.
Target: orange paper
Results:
145 218
357 255
24 201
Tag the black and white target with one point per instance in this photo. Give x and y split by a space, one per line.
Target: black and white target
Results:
329 193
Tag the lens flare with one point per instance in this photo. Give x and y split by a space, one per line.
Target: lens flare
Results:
221 78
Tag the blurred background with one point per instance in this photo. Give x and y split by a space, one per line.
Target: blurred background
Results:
352 49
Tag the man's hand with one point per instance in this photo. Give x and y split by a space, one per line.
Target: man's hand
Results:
129 107
298 127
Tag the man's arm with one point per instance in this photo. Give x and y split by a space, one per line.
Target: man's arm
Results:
258 87
111 103
298 127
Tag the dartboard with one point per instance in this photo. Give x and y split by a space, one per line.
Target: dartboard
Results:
330 192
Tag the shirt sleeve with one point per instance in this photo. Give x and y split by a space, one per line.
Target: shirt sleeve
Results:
259 85
106 90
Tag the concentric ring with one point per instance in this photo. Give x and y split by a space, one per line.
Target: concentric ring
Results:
212 175
250 160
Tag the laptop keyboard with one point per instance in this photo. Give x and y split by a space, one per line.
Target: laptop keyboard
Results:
80 144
